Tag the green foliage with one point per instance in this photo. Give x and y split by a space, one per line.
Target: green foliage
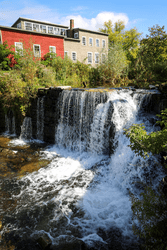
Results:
129 39
151 61
143 143
114 66
4 53
151 212
151 209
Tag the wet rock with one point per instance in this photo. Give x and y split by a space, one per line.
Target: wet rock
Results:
45 242
74 245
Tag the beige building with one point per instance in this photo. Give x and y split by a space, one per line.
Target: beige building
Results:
90 47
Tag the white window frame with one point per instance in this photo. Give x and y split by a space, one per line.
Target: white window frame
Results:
103 60
91 44
20 50
90 62
96 54
50 29
103 43
39 50
56 31
76 35
65 53
19 25
35 27
30 25
54 49
84 38
42 29
73 52
97 44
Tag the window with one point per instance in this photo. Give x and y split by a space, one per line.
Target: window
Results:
103 58
83 40
43 28
89 57
37 51
28 26
96 57
97 43
50 30
103 43
19 25
65 53
74 56
90 41
35 27
76 35
19 48
62 32
52 49
56 31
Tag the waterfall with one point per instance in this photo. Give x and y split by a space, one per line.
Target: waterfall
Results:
76 115
26 129
10 124
40 118
82 196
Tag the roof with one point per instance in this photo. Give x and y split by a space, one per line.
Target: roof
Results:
30 31
37 21
91 31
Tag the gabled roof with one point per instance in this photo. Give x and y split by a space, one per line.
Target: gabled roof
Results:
40 22
90 31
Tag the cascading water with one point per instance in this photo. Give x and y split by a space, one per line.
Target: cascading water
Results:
10 125
82 195
26 129
40 118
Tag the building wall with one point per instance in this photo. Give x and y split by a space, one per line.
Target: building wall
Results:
82 50
27 38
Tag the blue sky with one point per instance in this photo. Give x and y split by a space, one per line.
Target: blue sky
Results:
88 14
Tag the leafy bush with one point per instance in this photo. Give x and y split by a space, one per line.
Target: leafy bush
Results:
151 209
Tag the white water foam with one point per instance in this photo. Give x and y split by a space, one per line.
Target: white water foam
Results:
80 192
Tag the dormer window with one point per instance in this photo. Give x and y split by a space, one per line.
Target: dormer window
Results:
43 28
19 25
50 30
56 31
76 35
35 27
28 26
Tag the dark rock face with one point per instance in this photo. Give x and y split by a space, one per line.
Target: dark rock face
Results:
154 102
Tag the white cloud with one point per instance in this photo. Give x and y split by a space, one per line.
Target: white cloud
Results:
10 12
95 23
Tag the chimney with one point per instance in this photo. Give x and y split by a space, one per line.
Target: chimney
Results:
71 27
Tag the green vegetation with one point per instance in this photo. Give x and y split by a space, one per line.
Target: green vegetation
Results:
130 61
151 209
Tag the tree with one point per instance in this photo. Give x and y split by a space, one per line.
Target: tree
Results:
114 66
129 39
151 60
155 44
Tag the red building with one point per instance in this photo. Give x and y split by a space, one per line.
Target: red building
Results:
43 37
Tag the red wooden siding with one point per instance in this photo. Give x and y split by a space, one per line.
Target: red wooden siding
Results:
43 40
